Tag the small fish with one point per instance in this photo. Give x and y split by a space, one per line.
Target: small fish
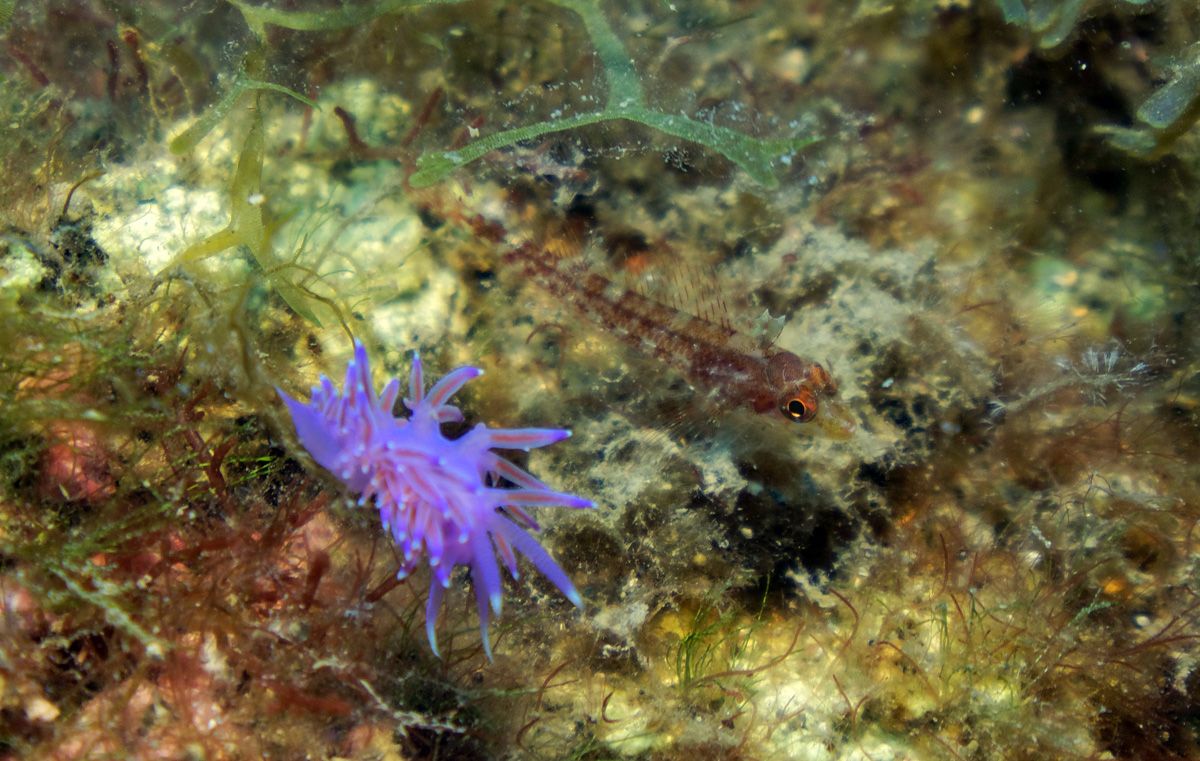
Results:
707 349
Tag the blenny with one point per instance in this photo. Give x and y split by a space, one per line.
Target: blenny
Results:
707 349
441 499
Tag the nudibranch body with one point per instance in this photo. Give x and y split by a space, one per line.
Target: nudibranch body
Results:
448 501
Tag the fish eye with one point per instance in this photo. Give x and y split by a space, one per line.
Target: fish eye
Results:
798 411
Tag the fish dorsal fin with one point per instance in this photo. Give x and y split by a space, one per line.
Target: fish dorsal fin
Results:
662 274
680 280
726 305
764 330
688 288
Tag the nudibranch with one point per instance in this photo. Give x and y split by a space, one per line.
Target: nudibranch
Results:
445 500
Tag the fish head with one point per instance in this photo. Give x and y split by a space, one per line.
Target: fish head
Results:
805 392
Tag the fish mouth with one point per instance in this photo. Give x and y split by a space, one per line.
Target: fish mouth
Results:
835 421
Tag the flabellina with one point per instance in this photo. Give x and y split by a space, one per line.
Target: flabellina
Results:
445 500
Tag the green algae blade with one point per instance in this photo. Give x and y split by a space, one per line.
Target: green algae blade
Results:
199 129
759 158
437 166
343 17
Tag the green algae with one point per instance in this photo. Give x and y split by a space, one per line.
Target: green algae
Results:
188 139
716 642
760 158
250 227
1166 114
1053 22
341 17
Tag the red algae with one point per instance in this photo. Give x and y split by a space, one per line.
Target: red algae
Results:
74 467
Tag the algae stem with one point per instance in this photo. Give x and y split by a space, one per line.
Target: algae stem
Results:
621 77
436 166
756 157
114 614
199 129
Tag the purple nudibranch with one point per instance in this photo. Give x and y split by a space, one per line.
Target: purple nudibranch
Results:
439 498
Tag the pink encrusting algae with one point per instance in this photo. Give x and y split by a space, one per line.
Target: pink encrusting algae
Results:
440 498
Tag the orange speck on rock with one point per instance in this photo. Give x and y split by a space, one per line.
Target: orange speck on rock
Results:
1114 586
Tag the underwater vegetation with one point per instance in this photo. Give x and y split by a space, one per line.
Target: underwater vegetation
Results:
976 220
1052 23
